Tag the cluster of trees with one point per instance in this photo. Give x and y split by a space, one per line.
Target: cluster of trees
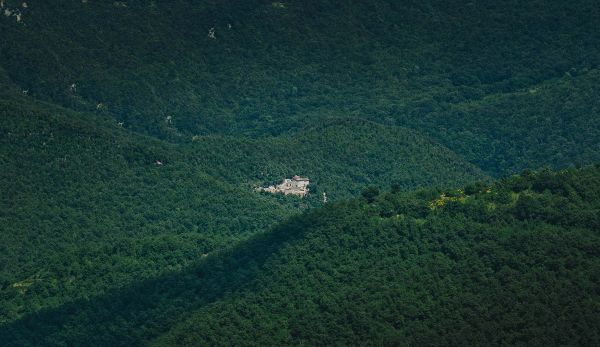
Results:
513 262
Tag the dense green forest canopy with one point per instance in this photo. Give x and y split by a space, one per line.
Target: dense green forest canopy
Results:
84 207
87 206
514 262
466 74
342 155
133 135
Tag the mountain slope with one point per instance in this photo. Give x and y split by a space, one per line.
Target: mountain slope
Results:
513 265
85 207
88 205
550 124
133 135
509 263
272 67
340 156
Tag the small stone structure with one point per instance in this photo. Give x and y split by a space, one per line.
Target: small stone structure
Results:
296 186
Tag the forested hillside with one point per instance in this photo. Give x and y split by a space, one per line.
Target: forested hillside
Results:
133 136
467 74
87 206
341 157
549 124
514 262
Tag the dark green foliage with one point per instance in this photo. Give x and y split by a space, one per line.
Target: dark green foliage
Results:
370 193
87 206
341 156
471 271
467 274
546 125
131 142
507 85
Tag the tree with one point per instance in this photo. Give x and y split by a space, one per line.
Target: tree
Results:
370 193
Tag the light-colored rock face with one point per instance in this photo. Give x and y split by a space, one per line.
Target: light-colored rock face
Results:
294 186
13 12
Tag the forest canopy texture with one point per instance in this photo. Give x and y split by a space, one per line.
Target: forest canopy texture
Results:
514 262
452 149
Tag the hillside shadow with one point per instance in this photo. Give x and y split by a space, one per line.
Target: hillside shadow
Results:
135 314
